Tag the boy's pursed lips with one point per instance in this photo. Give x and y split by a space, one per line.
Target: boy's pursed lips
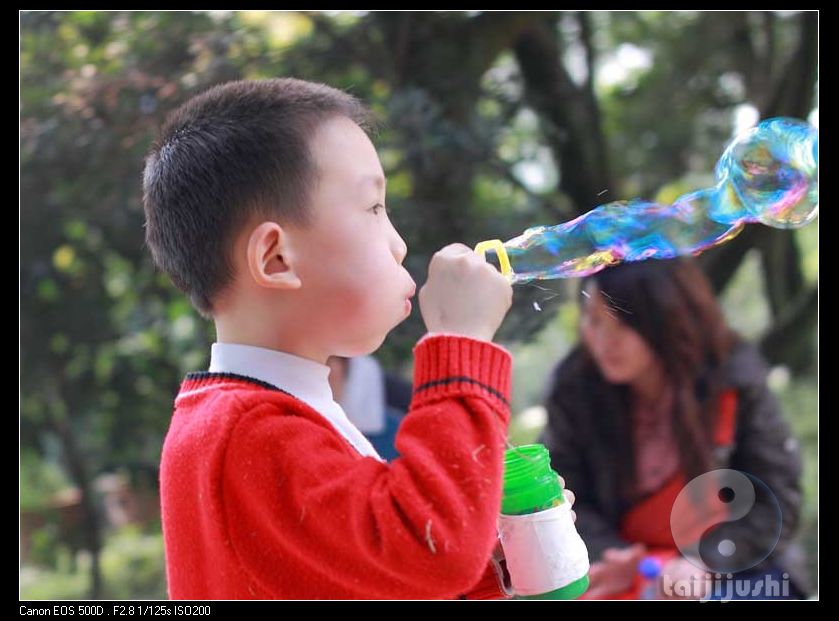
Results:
408 305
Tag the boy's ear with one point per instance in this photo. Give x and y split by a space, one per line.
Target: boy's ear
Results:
270 258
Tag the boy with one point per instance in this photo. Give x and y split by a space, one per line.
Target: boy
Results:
265 204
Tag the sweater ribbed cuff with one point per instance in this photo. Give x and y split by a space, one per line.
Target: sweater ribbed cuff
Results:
450 365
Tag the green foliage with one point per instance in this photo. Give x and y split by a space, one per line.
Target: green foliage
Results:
46 548
132 568
37 583
39 479
800 402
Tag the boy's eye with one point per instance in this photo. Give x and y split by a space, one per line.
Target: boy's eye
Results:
377 207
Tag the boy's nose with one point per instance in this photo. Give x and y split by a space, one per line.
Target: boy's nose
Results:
400 248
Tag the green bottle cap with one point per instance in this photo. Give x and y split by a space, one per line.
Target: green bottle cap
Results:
529 483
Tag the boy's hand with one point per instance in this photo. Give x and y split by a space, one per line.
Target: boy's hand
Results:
464 294
568 495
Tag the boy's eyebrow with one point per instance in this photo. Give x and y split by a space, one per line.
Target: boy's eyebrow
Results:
377 180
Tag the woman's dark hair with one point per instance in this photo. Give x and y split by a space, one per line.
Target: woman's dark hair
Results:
671 305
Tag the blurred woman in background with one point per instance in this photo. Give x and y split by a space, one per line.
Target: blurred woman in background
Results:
659 391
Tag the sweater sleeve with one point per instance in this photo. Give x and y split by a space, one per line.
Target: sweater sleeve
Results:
310 519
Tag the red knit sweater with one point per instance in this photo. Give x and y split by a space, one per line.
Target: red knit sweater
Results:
262 498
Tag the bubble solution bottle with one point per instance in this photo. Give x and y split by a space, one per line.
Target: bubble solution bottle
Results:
545 556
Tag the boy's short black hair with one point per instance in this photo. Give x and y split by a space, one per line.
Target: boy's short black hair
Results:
234 151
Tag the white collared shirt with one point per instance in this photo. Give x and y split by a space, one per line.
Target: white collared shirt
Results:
305 379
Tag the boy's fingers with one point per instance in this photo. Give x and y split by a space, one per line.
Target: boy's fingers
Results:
569 496
561 481
454 250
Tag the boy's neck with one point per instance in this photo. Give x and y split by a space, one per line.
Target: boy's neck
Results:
241 333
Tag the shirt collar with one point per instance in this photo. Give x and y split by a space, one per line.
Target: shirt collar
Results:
305 379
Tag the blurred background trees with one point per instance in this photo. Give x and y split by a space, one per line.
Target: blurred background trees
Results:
493 122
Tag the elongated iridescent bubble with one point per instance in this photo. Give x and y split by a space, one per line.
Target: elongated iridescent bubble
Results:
769 174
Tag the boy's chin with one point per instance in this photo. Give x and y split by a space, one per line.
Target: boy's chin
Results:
374 345
363 349
368 346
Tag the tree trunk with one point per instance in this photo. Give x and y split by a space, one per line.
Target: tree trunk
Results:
790 340
436 66
77 469
570 113
794 308
787 91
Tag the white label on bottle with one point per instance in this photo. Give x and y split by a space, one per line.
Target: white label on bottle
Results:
543 550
